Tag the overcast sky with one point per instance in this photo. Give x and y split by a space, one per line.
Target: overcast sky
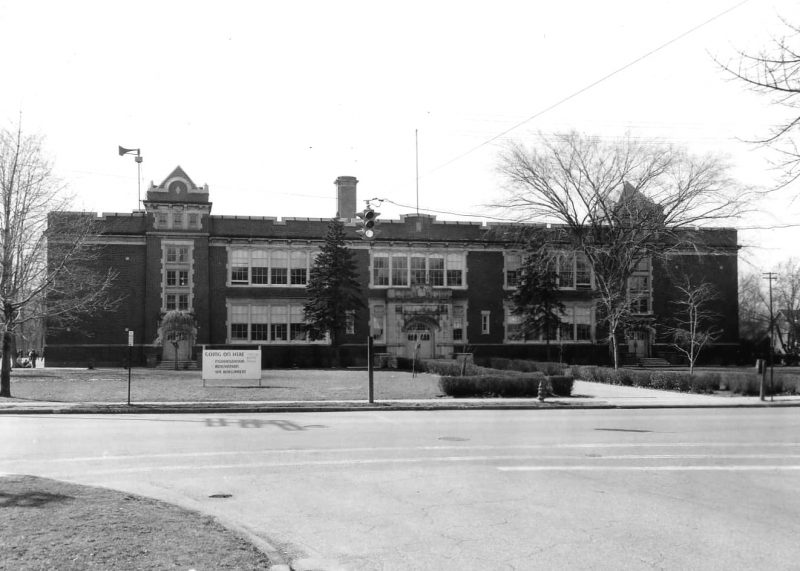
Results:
268 102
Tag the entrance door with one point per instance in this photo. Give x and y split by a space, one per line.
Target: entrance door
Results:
420 339
638 342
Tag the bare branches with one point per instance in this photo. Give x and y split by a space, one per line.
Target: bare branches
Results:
619 201
775 72
691 329
45 267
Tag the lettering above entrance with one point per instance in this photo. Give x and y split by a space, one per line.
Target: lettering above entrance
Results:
419 292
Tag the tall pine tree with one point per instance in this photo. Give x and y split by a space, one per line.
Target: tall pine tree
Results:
333 290
536 299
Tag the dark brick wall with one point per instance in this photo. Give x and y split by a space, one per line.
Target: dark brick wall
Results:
485 293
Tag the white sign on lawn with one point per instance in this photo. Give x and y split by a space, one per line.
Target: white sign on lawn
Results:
232 364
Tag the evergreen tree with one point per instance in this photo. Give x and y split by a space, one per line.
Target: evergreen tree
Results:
536 298
333 290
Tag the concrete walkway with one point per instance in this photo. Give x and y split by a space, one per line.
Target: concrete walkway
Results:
585 395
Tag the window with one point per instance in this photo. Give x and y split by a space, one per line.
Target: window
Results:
161 220
378 324
402 270
297 329
177 254
485 322
350 322
576 325
298 267
177 286
458 323
436 270
514 327
418 273
239 266
259 264
239 322
280 268
513 263
380 266
259 319
566 270
399 270
279 327
265 267
583 273
583 323
177 220
194 221
455 270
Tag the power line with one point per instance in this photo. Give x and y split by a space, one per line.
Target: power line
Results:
588 87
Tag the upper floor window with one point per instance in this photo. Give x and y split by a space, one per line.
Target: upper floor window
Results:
270 267
513 264
574 271
177 254
417 268
194 221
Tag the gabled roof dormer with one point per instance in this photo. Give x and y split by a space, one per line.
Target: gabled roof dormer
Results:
178 187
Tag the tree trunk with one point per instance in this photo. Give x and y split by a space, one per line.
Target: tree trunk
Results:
5 370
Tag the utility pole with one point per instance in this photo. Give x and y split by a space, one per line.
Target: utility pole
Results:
771 276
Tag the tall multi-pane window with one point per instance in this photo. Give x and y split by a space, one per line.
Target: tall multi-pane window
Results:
259 267
455 270
566 270
418 273
513 263
458 323
268 322
380 267
576 325
399 270
297 330
297 268
279 326
259 322
436 270
280 268
263 267
239 266
240 322
378 325
583 273
177 285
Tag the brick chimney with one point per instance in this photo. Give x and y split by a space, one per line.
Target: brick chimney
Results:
346 197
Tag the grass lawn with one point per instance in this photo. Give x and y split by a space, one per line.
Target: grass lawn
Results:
151 385
48 525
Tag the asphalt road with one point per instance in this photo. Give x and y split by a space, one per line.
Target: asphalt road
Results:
707 489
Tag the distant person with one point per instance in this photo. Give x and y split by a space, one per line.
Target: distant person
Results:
32 356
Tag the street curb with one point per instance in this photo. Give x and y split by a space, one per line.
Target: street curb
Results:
376 407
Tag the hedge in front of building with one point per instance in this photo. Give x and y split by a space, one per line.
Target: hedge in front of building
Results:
499 384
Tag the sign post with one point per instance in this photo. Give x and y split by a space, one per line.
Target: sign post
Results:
130 363
369 370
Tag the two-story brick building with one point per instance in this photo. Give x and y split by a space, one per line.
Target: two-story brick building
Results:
430 286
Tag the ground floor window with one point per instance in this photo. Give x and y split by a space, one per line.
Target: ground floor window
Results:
267 322
576 325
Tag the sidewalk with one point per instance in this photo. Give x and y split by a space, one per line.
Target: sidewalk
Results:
585 396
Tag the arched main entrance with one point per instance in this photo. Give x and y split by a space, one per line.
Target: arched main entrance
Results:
419 341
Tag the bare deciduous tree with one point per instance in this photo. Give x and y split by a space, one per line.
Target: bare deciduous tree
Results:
775 72
45 261
618 201
692 326
753 310
787 302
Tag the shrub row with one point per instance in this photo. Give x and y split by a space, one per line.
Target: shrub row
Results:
503 384
749 384
650 379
